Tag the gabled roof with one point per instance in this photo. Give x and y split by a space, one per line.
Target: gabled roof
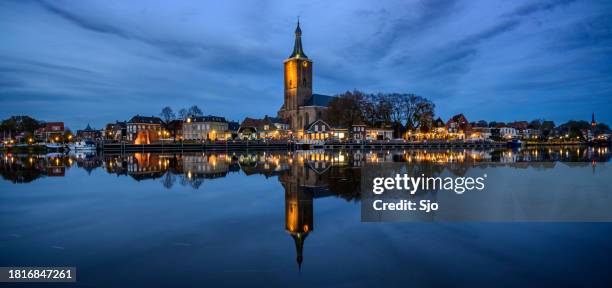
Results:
259 124
88 128
308 127
275 120
319 100
233 126
209 118
438 123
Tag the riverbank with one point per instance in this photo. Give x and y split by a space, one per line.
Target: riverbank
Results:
263 145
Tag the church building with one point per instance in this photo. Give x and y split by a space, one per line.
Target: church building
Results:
303 110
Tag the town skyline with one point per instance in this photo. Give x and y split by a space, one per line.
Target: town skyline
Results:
127 64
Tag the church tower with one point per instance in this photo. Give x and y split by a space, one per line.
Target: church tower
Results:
298 82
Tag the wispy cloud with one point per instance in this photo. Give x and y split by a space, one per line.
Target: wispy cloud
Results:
107 60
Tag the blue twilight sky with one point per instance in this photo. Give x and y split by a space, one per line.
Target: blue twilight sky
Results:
100 61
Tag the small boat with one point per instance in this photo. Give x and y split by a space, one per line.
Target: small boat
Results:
54 146
83 145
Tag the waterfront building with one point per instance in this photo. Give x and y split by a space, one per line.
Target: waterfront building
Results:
301 108
317 131
115 132
458 126
481 133
232 130
358 132
340 133
508 132
266 128
202 128
50 132
143 129
174 130
89 133
379 134
439 129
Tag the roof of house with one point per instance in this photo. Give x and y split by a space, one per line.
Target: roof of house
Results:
319 100
208 118
146 120
233 126
88 128
310 126
275 120
175 124
260 123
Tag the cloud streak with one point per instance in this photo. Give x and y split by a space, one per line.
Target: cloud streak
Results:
108 60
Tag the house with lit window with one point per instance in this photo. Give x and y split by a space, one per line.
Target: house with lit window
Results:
174 130
266 128
115 132
50 132
205 128
379 134
508 132
89 133
458 126
232 130
358 132
143 129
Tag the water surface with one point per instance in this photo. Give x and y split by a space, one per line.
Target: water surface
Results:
278 219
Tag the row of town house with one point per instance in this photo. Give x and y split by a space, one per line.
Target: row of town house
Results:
151 129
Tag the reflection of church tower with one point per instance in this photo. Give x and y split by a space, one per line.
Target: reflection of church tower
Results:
298 216
298 209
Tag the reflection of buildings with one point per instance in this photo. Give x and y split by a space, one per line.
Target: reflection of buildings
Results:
206 165
317 167
304 175
145 165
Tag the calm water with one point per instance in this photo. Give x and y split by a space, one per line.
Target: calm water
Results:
279 219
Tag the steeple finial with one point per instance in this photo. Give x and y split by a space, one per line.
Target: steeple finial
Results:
298 51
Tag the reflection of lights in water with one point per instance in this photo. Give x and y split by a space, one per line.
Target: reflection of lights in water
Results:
189 174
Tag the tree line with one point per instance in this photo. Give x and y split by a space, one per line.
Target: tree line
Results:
167 114
398 110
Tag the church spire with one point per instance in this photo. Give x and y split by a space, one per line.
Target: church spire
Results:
298 52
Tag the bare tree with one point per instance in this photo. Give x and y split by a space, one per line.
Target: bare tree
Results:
194 111
168 180
183 114
167 114
418 111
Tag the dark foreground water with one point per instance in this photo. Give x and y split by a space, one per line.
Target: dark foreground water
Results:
281 219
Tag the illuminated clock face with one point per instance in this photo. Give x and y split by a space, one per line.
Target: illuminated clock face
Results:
305 64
